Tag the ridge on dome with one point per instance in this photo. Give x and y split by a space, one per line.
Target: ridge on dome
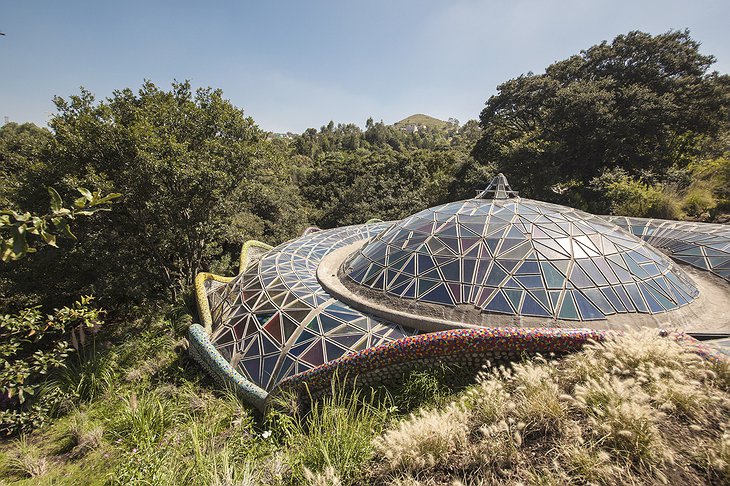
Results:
510 255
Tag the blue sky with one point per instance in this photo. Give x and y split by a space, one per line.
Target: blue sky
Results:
297 64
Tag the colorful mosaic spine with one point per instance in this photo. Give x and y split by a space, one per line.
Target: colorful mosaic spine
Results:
454 347
203 351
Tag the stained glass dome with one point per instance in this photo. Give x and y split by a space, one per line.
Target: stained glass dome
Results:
510 255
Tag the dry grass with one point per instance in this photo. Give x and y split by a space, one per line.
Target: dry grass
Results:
26 459
85 435
425 439
636 409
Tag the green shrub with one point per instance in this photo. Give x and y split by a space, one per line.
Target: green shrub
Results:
337 432
698 200
33 349
628 196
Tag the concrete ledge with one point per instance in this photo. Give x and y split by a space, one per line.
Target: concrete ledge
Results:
709 312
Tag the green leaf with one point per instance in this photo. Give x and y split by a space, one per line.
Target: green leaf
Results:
20 245
64 228
49 238
56 202
86 193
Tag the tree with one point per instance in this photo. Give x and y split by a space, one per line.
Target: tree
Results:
21 159
643 103
198 179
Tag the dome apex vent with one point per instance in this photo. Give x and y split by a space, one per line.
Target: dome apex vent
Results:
499 188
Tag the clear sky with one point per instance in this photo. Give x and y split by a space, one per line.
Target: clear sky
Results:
298 64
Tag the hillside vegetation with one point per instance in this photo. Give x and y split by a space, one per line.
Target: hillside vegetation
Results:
419 120
638 410
107 217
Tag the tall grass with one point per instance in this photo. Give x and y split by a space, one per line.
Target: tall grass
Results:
335 434
621 411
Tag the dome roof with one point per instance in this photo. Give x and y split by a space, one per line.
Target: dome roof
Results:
510 255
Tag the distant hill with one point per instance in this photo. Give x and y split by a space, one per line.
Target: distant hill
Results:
421 120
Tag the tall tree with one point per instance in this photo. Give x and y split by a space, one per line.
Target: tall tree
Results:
643 103
198 178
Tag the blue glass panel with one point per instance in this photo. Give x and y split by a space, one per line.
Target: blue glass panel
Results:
468 269
425 285
593 272
407 290
425 263
614 299
531 281
651 269
328 323
496 276
439 295
483 267
410 267
252 367
636 297
579 278
531 307
554 298
433 274
528 267
653 304
514 296
623 275
451 271
508 265
379 283
587 309
567 308
452 244
541 296
333 351
662 299
499 304
553 277
492 244
448 230
599 300
634 267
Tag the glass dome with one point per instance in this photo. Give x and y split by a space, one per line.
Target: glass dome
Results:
509 255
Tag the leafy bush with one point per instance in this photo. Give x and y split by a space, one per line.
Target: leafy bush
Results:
15 226
627 196
33 348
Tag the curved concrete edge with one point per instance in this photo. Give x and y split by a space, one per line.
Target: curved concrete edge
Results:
203 351
709 312
327 275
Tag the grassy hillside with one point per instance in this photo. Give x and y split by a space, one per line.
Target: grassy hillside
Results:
639 410
420 119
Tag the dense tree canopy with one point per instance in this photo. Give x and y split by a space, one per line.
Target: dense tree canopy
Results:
197 178
642 103
637 126
383 172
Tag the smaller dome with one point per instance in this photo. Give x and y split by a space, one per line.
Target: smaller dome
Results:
509 255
